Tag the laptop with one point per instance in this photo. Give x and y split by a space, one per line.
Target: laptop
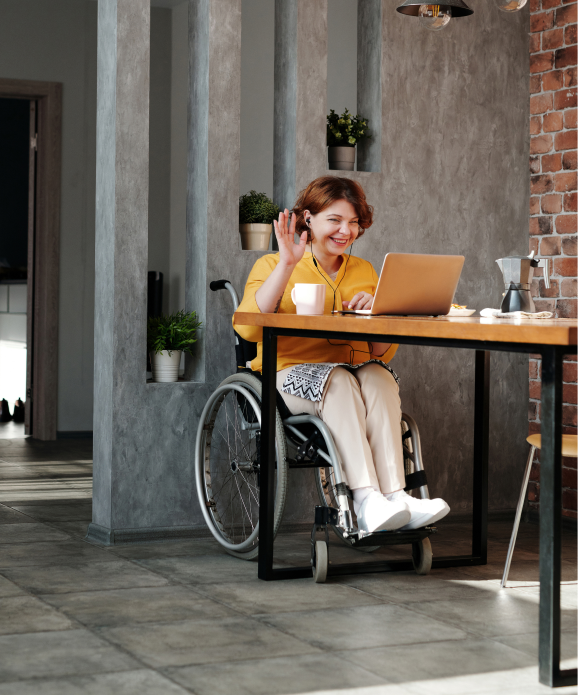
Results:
414 284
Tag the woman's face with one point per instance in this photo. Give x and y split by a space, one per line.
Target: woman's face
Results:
334 228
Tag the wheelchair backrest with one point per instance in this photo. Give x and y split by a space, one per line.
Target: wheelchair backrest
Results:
245 351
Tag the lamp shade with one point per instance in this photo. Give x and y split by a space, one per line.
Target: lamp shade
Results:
457 7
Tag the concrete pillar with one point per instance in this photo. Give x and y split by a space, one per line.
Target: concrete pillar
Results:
369 81
122 191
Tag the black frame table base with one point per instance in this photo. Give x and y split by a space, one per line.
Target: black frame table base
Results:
551 478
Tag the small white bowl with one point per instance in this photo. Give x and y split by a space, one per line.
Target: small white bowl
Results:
461 312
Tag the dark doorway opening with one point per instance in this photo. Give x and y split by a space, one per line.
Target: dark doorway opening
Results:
17 198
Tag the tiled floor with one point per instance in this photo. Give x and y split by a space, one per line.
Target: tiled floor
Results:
183 617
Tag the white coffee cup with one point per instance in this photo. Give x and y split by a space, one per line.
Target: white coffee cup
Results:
309 298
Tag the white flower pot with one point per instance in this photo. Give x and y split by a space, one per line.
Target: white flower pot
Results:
255 237
341 158
165 365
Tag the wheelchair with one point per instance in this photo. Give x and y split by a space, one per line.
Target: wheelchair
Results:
227 470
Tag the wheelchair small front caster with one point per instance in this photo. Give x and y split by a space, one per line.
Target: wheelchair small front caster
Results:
422 556
320 562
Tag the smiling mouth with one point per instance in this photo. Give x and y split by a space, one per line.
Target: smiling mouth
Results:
340 242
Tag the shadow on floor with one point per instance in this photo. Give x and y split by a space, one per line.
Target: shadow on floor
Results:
171 618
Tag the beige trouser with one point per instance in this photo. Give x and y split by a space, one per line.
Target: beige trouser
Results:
363 412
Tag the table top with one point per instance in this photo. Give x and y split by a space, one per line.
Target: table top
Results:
531 331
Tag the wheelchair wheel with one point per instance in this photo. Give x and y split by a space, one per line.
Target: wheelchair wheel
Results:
327 496
227 465
320 562
422 556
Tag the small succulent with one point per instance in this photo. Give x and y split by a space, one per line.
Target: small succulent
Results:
345 130
257 208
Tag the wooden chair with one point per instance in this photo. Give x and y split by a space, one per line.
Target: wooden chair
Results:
570 449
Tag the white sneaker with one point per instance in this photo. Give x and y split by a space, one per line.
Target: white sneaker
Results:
423 512
379 514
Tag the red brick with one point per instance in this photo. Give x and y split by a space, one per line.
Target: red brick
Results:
570 499
532 410
533 495
533 245
571 118
553 121
570 370
545 305
552 162
535 427
534 6
542 21
542 62
570 34
570 77
536 390
540 225
567 181
566 224
541 184
571 358
566 15
570 248
551 246
549 4
535 43
535 473
569 462
535 125
564 99
566 267
569 287
570 415
564 57
552 39
570 202
551 203
541 144
541 103
567 309
534 205
569 478
568 140
570 160
533 369
571 514
570 393
551 81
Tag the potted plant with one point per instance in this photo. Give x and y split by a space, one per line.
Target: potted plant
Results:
168 336
257 213
342 134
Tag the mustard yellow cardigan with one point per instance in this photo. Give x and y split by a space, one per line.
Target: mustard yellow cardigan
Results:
360 276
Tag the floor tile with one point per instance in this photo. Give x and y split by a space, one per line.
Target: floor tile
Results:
205 569
57 512
55 553
161 549
430 660
288 674
408 587
76 529
137 605
11 516
30 533
522 571
204 641
93 576
501 613
568 594
528 643
8 588
282 597
70 652
366 626
142 682
28 614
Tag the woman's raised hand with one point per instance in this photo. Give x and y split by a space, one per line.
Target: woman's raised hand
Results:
290 252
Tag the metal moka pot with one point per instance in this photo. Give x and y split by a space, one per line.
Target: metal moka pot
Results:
518 272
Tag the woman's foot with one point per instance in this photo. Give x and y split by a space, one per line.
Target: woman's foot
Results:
423 512
379 514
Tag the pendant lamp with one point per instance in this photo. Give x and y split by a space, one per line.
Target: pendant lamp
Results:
510 5
434 17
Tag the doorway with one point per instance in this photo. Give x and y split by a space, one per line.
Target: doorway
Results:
30 142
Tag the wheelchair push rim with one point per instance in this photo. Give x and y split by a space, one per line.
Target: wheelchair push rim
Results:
228 466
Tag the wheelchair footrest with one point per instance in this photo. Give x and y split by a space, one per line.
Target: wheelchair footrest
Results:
391 537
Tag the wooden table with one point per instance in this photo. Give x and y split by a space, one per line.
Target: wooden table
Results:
552 339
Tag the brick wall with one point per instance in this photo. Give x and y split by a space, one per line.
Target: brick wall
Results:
554 201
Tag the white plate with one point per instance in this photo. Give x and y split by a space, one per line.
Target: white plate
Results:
461 312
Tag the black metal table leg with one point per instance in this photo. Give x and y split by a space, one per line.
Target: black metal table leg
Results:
267 456
551 522
480 456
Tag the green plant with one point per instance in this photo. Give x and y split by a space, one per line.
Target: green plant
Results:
345 130
257 208
172 332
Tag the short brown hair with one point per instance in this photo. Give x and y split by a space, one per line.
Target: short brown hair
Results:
324 191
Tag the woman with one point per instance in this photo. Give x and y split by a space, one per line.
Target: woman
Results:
346 384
